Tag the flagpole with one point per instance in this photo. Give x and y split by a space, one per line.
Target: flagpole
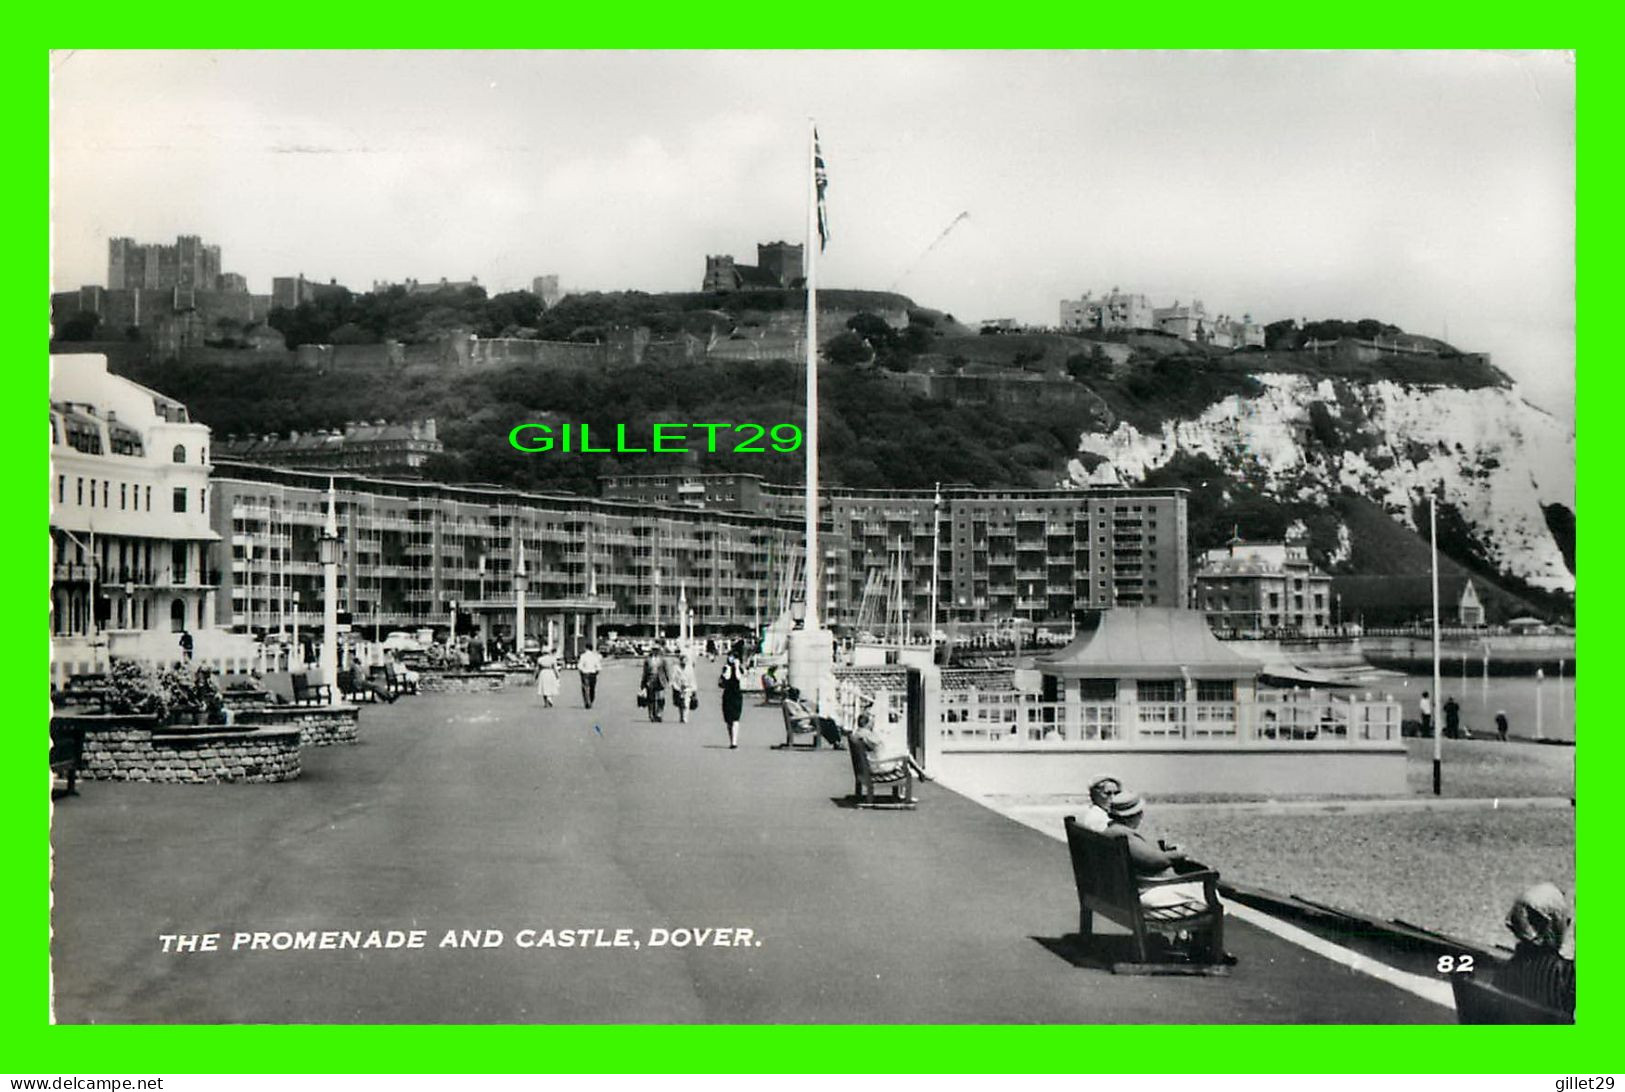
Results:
936 566
810 445
810 650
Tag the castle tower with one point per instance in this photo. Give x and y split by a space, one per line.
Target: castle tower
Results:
781 259
719 274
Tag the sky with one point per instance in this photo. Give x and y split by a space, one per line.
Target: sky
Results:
1430 190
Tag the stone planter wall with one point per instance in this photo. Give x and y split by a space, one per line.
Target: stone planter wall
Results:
459 682
130 748
318 725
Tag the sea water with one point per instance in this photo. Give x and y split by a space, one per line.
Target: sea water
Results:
1481 698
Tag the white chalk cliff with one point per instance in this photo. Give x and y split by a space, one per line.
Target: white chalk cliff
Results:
1493 456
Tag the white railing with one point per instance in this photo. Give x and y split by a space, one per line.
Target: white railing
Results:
1020 719
1011 718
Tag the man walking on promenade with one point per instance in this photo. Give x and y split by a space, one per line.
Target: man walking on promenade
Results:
589 664
1426 708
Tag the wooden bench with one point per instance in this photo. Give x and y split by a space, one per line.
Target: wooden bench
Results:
306 692
799 721
67 753
774 690
1107 885
864 777
1481 1002
399 681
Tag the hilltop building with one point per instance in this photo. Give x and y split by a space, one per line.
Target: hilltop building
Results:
778 265
290 292
1116 310
131 545
1119 310
172 296
546 288
378 447
1191 322
190 263
1263 587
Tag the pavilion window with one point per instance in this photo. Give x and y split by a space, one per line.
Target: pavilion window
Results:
1160 690
1092 690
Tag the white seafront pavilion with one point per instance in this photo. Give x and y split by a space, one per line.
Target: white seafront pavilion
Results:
1150 695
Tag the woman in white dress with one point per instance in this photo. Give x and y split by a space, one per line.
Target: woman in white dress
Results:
547 677
684 685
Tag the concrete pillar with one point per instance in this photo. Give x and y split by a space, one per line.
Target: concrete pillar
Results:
811 655
931 697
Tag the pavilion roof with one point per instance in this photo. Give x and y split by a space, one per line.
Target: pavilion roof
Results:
1148 641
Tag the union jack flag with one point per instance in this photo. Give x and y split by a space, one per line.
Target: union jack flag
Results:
821 183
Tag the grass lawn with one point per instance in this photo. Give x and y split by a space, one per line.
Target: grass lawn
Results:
1488 769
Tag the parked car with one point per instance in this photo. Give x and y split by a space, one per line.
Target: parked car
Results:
400 641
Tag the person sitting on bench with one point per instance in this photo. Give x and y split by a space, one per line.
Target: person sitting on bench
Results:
1098 816
1153 862
358 683
827 728
884 758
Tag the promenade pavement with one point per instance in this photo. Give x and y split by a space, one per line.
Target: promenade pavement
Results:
485 813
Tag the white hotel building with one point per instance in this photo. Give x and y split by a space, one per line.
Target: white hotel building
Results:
131 558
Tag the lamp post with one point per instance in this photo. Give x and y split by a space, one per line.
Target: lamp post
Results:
682 614
521 584
1540 679
328 547
293 649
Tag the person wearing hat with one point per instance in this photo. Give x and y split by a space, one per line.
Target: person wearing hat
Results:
1152 862
656 675
1542 965
885 757
1098 815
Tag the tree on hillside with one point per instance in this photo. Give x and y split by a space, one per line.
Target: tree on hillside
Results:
847 349
1283 335
506 312
1091 366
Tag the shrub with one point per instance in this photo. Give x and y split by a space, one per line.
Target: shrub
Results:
138 689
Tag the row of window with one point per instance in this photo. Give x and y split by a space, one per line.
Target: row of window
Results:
136 498
1158 690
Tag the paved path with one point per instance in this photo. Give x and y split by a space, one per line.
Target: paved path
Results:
484 812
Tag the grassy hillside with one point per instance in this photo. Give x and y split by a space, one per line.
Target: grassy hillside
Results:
875 433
